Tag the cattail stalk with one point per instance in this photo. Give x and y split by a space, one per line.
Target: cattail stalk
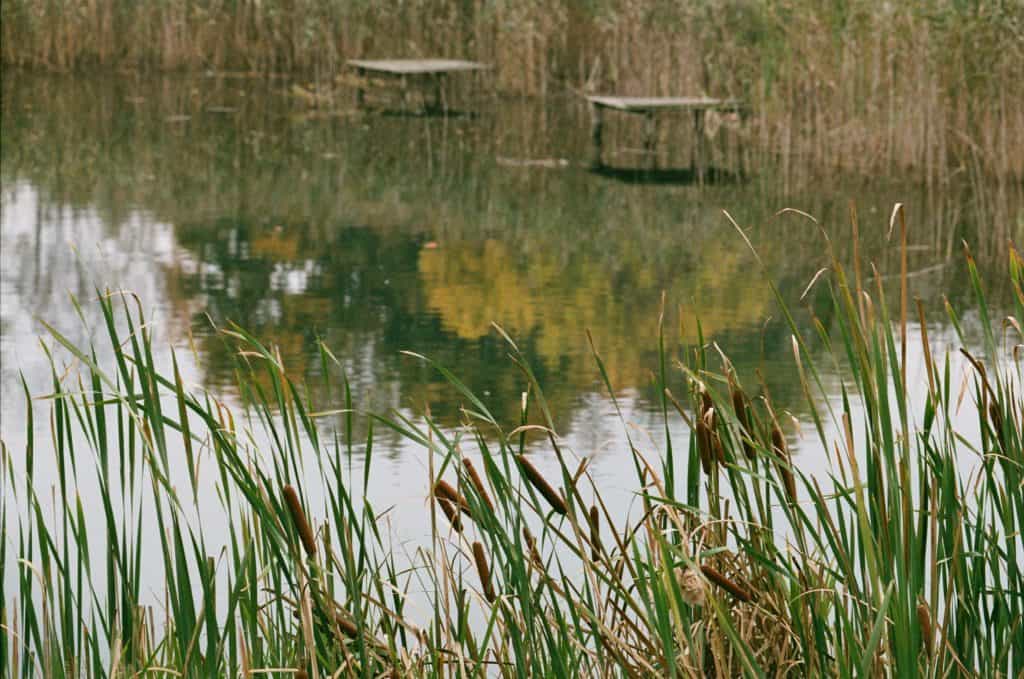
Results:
484 572
715 576
291 498
542 486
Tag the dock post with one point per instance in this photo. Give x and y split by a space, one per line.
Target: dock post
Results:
650 139
596 133
438 98
360 89
697 162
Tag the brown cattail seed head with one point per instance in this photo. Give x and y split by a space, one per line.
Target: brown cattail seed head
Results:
483 571
445 491
478 483
739 405
782 453
450 511
594 519
291 498
703 435
725 583
691 587
541 485
531 545
924 620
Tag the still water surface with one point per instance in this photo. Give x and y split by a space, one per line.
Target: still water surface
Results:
219 199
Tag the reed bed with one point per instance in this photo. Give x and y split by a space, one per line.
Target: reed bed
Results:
922 86
737 563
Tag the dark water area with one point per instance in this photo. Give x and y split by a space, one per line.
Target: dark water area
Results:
222 200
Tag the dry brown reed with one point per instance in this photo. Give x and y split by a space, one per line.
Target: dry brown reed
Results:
541 485
291 498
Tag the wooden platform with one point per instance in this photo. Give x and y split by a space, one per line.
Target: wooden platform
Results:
424 74
399 67
648 106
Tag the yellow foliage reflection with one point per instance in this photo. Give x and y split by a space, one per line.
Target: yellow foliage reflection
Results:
553 300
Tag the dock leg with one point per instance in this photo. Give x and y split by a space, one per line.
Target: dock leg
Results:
650 139
596 134
360 89
404 84
697 162
438 103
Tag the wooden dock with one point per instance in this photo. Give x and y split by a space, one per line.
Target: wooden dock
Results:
429 72
649 107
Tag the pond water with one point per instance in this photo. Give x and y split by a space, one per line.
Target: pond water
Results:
223 199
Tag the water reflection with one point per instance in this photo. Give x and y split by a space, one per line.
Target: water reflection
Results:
222 201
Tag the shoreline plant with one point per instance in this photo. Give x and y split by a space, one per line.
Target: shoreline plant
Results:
738 563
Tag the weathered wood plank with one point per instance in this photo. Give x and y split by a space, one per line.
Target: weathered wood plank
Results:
648 104
415 66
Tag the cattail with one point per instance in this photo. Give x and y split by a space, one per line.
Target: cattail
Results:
739 405
483 571
725 583
691 587
782 452
301 674
595 532
531 545
346 626
717 448
706 402
703 434
291 498
478 483
924 620
450 511
444 491
542 486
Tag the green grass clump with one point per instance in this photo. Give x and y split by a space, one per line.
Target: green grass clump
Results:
737 563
